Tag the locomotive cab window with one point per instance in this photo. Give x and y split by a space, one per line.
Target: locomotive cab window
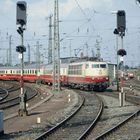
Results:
87 66
102 65
95 65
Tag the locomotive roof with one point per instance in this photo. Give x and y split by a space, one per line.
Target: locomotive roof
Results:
83 62
85 59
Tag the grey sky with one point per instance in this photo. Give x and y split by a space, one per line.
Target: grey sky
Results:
82 21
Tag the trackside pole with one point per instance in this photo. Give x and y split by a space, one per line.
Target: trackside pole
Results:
121 26
122 94
22 109
21 19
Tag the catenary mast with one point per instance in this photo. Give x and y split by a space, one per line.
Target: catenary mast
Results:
56 50
50 41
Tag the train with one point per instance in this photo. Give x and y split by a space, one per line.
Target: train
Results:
84 74
130 74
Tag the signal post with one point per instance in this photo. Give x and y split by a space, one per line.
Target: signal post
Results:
21 22
121 26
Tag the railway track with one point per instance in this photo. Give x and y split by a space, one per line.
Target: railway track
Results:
112 115
79 127
3 94
78 124
133 84
126 122
12 97
116 131
5 91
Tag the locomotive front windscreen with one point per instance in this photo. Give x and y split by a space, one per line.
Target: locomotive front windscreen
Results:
102 65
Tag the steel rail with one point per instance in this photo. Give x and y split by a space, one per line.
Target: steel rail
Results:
111 130
50 131
11 89
16 102
5 96
93 124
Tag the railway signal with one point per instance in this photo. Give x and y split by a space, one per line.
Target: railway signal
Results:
21 22
21 13
20 49
121 21
121 52
116 31
138 1
120 31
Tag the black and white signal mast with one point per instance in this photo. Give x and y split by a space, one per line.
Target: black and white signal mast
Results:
121 26
21 23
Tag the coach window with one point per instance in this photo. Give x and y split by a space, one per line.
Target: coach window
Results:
63 71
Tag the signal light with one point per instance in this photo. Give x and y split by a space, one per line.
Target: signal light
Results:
116 31
20 49
121 52
21 13
138 1
121 21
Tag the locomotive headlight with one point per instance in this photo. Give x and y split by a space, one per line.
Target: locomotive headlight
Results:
107 78
93 78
